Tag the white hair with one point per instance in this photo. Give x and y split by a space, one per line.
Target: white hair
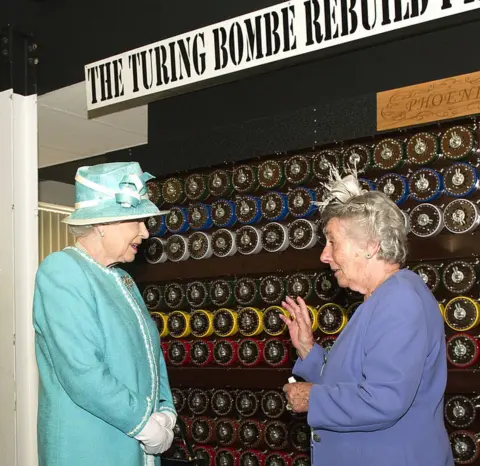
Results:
80 231
370 212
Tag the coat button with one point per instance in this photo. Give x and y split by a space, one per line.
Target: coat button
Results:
316 437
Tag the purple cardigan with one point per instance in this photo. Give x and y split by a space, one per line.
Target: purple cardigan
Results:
378 400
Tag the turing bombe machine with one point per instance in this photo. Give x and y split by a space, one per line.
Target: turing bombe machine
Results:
239 238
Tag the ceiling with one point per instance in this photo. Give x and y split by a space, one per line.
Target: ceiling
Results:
66 134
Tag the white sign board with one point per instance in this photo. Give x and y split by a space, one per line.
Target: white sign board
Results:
205 56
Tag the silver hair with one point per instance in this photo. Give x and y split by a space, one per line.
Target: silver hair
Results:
370 212
80 231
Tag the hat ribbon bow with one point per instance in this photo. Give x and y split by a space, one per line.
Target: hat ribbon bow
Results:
132 189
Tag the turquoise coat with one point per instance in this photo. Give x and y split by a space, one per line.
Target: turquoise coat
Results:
101 367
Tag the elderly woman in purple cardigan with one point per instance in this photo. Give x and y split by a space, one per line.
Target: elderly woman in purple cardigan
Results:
376 397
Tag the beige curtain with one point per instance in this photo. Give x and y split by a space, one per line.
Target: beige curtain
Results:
53 235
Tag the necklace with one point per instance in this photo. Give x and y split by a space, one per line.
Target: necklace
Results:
85 250
384 278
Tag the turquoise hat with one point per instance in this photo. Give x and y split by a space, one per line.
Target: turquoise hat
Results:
111 192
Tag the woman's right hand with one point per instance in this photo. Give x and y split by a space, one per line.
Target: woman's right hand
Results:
299 325
155 437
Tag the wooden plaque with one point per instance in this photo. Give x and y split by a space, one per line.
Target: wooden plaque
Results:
427 102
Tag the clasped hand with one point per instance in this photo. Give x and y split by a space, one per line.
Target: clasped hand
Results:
298 395
157 435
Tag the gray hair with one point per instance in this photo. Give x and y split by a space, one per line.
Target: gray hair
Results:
378 218
80 231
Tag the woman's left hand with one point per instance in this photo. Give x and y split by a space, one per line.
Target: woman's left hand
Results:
298 395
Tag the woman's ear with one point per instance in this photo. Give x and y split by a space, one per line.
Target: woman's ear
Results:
372 249
101 230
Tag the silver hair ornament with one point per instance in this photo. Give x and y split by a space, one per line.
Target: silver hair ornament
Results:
340 189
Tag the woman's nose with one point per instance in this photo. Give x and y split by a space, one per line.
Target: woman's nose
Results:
325 256
143 231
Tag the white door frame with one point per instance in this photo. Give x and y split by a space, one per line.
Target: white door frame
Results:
18 265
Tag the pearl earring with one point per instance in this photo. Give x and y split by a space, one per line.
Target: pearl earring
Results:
102 234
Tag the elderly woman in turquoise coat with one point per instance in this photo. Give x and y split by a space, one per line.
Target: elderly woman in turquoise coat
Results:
376 397
104 395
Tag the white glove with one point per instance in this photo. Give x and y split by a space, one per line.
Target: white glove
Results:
155 438
166 419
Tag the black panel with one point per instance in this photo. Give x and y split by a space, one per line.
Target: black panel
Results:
320 124
18 61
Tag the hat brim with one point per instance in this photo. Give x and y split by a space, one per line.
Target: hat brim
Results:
112 212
